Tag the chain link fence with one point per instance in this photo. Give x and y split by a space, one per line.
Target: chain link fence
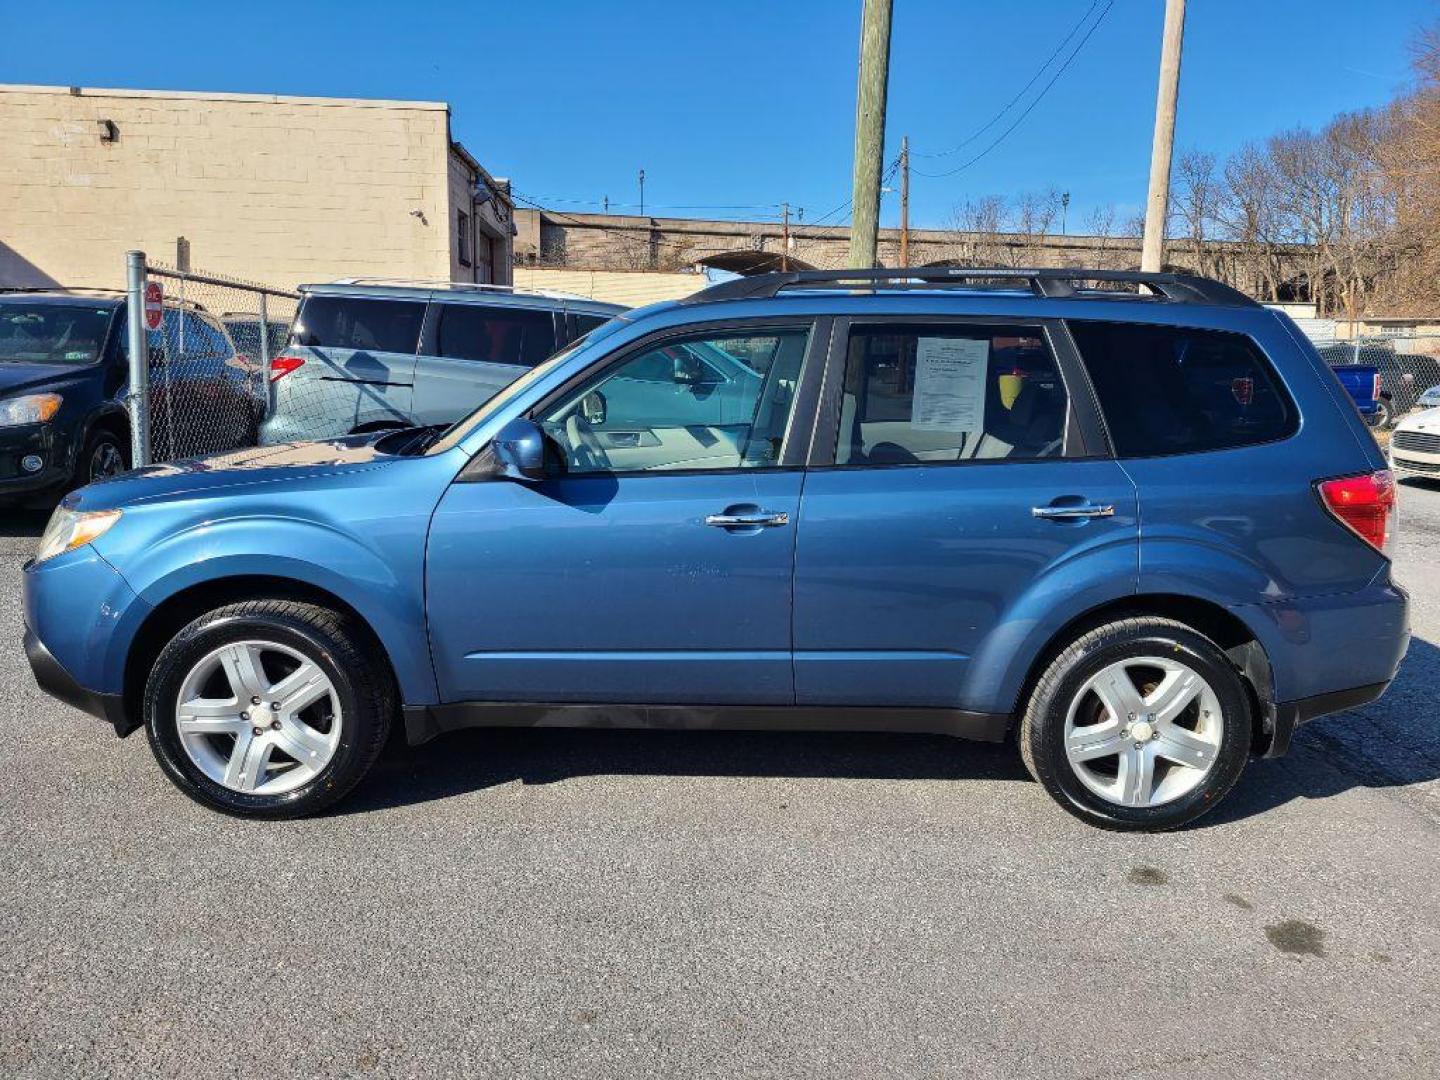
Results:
1408 366
210 341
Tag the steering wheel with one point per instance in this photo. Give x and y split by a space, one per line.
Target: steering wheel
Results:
586 453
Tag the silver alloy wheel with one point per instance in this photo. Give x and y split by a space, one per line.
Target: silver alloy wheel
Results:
258 717
106 461
1144 731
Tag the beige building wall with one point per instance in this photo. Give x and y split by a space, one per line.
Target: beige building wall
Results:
281 190
634 288
486 252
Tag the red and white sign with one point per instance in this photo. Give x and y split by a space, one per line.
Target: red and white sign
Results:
154 305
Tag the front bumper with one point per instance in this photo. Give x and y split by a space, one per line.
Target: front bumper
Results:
81 618
1405 463
42 441
59 683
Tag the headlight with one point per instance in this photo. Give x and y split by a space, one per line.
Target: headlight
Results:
69 529
30 409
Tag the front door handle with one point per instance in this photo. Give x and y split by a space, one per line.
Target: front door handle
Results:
763 519
1072 513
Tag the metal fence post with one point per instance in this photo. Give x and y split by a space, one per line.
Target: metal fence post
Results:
264 341
139 396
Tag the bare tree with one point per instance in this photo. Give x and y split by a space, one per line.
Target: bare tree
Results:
1249 217
1194 204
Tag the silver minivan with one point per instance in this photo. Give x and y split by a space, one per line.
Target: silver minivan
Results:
368 356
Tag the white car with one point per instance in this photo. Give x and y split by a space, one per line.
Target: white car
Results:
1415 445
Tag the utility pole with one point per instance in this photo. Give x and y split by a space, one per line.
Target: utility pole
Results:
1157 203
785 237
870 90
1064 212
642 192
905 200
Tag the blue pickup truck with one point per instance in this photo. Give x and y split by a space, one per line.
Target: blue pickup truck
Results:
1361 381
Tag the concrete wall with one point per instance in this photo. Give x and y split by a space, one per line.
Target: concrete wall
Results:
628 242
277 189
634 288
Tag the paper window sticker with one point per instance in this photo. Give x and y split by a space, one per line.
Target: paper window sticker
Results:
950 384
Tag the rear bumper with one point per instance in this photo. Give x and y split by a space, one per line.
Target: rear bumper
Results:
1289 715
59 683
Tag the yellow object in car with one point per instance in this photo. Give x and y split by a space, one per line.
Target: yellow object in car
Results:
1010 384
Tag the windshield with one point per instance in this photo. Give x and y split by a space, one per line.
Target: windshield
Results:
458 430
32 333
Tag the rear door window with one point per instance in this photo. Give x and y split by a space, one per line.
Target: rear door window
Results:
1175 390
495 335
948 393
345 322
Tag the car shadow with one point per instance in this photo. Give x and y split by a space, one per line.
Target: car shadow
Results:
468 761
1392 743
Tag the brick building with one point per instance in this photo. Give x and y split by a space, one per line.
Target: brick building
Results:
276 189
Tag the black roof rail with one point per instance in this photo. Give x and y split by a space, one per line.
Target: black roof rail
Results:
1052 284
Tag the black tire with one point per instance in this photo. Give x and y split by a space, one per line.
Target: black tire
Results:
360 676
1042 727
1382 417
102 445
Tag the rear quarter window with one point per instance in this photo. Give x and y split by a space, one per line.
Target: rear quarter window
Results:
1175 390
585 323
343 322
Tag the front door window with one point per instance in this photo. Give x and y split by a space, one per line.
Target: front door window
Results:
716 401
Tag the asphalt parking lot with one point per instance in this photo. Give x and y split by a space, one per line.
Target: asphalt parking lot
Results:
578 904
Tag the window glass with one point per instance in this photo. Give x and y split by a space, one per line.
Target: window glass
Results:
711 402
946 393
200 338
585 323
343 322
39 333
462 237
1172 390
496 335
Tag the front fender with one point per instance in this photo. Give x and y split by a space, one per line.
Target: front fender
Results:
384 586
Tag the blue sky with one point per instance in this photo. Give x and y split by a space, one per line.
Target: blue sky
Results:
733 108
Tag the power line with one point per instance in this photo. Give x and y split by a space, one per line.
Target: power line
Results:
551 199
1023 90
889 175
1029 108
642 242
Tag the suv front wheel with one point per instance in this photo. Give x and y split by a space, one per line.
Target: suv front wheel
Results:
1140 724
268 708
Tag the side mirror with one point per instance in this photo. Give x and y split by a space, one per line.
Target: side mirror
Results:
594 408
518 452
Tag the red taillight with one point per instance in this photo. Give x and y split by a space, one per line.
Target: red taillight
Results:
1375 393
281 366
1365 504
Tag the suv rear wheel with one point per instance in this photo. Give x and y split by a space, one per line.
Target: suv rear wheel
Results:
1140 724
268 708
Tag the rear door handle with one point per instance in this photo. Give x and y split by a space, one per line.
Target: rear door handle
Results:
1072 513
759 519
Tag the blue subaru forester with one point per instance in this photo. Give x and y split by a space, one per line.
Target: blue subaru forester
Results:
1132 521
